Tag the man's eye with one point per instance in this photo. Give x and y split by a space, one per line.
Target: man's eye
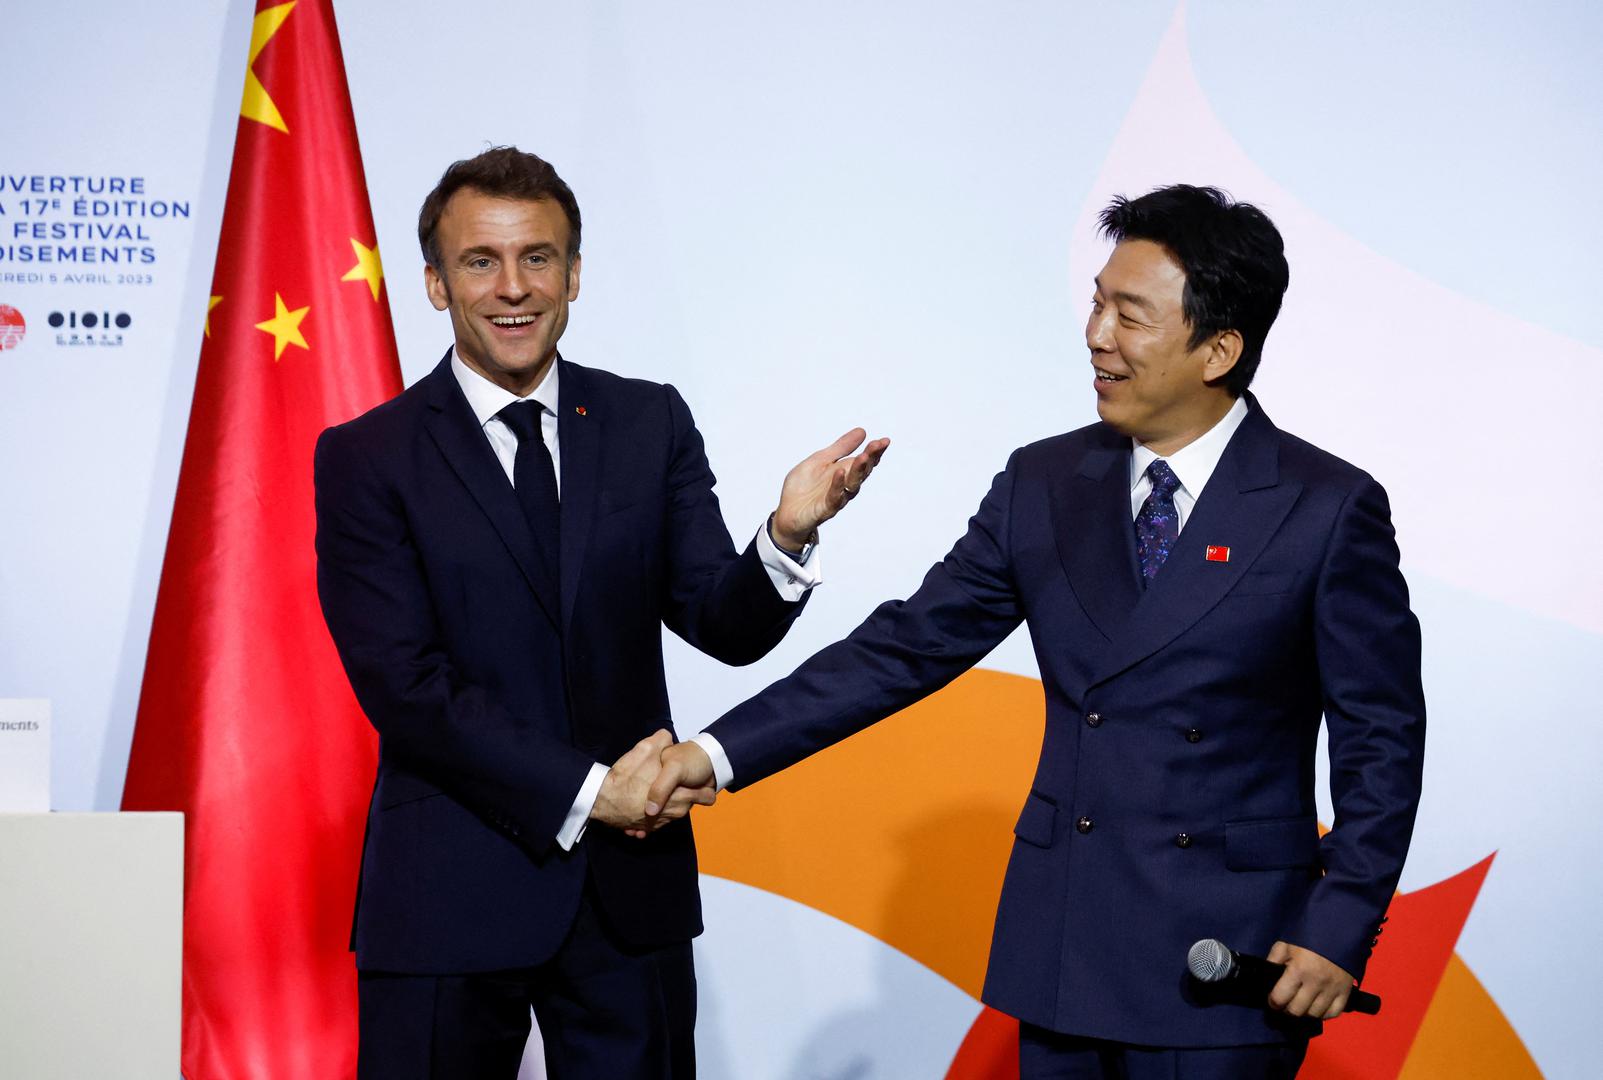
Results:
536 260
479 264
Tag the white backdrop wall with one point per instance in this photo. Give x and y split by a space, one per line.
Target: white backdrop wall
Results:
880 214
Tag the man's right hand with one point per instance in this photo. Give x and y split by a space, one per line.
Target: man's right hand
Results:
621 801
686 768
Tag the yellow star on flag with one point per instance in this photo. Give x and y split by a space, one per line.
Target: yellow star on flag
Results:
368 268
256 104
211 304
285 326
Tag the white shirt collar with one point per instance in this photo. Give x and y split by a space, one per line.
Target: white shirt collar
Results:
1193 463
486 399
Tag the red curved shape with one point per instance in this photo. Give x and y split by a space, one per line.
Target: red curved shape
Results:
1405 971
990 1050
1424 927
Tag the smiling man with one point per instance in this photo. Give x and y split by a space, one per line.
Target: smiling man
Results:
499 549
1200 589
506 336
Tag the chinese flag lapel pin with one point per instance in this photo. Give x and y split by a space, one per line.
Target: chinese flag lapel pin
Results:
580 409
1217 553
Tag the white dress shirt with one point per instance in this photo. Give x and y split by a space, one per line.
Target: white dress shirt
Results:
1193 464
791 579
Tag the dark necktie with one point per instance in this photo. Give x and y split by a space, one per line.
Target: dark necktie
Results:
1158 523
535 479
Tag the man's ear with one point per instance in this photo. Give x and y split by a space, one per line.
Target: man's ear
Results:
1223 352
434 284
573 277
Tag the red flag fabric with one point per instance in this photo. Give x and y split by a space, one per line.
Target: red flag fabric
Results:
246 722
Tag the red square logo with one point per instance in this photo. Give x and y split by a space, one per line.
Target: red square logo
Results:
1217 553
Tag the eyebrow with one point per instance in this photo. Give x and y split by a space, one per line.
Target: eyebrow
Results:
485 249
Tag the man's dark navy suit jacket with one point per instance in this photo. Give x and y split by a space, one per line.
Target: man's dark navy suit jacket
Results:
1174 799
494 688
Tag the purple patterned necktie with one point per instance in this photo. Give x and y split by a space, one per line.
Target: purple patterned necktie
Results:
1158 523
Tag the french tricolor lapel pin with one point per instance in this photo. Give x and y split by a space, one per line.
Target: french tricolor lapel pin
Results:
1216 553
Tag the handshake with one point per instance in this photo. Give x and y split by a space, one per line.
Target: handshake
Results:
656 782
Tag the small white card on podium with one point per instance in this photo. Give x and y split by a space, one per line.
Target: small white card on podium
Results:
24 755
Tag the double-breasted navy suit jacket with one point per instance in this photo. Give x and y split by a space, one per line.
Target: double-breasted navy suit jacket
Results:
495 687
1174 799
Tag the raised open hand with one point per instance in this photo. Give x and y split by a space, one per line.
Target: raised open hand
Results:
821 485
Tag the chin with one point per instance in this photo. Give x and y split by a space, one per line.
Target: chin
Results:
518 365
1119 425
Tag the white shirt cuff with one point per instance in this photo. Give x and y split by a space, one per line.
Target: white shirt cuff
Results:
722 774
579 816
791 579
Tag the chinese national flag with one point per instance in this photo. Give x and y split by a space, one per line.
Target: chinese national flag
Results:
246 722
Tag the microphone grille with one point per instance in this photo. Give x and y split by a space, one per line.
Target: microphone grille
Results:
1209 960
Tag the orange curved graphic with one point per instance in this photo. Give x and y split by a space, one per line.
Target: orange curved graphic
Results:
904 830
1466 1035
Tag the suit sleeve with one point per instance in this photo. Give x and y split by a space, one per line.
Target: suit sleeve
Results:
376 600
1368 650
723 604
906 649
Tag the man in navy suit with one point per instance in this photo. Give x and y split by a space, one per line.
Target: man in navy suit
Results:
1200 588
499 548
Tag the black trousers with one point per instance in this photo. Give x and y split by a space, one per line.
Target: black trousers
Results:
1048 1055
604 1010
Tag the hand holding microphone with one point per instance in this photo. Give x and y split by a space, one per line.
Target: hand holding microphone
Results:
1315 989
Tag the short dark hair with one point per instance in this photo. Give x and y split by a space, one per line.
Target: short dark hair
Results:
506 173
1233 257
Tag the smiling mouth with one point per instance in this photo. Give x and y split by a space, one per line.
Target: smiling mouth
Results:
513 320
1108 377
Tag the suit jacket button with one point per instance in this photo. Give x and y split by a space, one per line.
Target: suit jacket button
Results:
1093 719
1183 840
1193 735
1084 824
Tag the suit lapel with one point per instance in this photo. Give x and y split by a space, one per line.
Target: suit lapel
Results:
579 422
1241 508
452 426
1095 538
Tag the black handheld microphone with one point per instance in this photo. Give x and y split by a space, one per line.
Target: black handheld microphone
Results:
1212 961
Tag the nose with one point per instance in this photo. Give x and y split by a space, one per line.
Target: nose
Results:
509 283
1099 331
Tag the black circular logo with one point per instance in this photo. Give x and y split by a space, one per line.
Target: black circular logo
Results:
90 320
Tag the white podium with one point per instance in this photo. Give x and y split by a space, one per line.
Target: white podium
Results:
91 936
